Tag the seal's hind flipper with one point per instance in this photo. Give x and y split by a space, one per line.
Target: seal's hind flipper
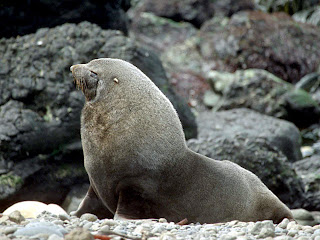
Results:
92 204
131 205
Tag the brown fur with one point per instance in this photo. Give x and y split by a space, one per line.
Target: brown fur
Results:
138 162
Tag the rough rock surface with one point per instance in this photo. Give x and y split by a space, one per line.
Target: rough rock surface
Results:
288 6
273 42
25 17
259 143
38 102
310 15
262 91
159 33
193 11
309 170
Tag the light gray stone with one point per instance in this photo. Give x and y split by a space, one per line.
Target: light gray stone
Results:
16 217
89 217
284 223
55 237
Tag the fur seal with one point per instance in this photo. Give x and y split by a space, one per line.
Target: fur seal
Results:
139 165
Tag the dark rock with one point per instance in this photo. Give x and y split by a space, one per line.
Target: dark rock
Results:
311 135
25 17
273 42
309 171
288 6
310 82
229 7
301 108
40 106
159 33
310 15
259 143
164 35
262 91
190 86
193 11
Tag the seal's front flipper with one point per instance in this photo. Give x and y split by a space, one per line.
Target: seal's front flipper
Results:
131 205
92 204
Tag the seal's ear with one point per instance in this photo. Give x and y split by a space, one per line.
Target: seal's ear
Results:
86 80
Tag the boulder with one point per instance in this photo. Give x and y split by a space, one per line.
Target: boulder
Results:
288 6
263 92
159 33
259 143
310 15
193 11
229 7
309 171
304 217
25 17
40 106
251 39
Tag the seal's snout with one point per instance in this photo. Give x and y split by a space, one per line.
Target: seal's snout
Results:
85 80
72 67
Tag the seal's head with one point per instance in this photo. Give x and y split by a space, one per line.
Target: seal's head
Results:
103 74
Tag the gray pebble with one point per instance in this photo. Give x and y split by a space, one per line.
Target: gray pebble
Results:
9 230
79 234
105 228
16 217
40 236
266 232
95 227
162 220
2 237
158 228
109 222
317 232
119 229
57 222
283 238
258 226
284 223
55 237
242 238
88 225
89 217
64 217
167 236
293 225
83 222
227 237
40 228
303 238
292 232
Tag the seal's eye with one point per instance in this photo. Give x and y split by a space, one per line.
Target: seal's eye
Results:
93 74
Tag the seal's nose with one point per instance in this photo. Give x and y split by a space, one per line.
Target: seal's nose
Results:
72 67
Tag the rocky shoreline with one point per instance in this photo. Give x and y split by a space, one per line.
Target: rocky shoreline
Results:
49 226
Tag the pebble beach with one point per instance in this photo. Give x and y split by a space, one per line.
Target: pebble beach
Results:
48 226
